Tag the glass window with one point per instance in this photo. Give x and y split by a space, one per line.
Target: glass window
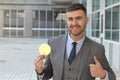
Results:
42 33
62 32
42 19
112 24
6 33
115 24
35 33
108 19
63 19
13 33
95 25
84 2
35 18
49 19
115 1
20 18
96 4
20 33
49 33
108 23
108 34
6 18
108 2
13 18
57 19
56 32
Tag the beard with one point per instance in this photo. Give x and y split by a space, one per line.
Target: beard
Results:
74 33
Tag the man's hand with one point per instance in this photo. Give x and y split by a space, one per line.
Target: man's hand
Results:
96 69
38 62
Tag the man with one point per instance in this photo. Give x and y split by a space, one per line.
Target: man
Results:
89 59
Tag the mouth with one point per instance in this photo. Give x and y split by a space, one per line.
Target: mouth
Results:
75 28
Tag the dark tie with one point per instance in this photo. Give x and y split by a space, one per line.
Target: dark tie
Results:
72 53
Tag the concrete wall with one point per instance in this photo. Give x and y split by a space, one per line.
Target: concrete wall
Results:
24 1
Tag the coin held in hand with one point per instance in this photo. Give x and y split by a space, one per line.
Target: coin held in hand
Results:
44 49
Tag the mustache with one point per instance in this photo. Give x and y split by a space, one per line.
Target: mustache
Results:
75 26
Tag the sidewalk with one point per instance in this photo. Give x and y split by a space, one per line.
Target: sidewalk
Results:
17 58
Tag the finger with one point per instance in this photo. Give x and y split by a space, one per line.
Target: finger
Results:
96 60
39 58
91 65
40 63
42 57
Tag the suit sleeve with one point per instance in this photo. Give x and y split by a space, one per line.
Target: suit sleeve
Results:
47 73
48 70
105 65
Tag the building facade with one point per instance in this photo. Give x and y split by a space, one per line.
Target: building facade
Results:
33 18
104 27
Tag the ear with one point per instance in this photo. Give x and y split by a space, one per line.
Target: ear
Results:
87 20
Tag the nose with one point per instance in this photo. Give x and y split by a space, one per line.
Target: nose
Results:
74 22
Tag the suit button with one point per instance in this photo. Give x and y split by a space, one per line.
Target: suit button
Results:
68 78
69 69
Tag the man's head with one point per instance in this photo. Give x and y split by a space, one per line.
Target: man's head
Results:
76 6
76 19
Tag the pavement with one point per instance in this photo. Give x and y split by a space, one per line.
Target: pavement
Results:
17 58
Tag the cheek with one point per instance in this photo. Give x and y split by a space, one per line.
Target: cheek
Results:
69 24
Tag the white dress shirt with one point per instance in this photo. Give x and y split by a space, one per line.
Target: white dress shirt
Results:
78 46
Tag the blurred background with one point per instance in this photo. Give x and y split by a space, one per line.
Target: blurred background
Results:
25 24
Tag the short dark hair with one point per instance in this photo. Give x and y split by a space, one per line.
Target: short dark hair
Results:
76 6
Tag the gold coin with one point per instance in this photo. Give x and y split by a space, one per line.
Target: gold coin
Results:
44 49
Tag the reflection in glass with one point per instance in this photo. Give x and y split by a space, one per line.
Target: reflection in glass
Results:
35 19
115 1
49 19
20 18
115 24
42 19
6 33
6 18
108 2
95 25
96 5
13 22
112 24
13 33
13 18
20 33
49 22
108 24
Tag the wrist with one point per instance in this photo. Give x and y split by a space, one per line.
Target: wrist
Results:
103 74
38 72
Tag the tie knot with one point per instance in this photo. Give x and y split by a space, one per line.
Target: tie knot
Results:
74 44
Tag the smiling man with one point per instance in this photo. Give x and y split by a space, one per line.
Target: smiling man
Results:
74 56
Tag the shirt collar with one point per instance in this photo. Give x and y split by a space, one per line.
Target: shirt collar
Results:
70 40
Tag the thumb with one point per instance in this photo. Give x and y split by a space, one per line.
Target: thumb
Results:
96 60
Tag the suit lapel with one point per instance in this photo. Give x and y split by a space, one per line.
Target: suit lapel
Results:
61 57
84 51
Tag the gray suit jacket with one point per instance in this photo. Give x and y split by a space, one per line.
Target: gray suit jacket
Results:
55 61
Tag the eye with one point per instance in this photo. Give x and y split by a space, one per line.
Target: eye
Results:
79 18
70 19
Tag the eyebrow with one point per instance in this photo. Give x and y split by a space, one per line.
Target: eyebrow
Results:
75 17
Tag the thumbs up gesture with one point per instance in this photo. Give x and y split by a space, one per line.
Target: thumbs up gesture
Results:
96 69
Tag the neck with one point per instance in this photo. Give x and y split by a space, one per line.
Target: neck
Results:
77 38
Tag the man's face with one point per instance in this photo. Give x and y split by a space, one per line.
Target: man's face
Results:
76 21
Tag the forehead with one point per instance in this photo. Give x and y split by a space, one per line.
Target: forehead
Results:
75 13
